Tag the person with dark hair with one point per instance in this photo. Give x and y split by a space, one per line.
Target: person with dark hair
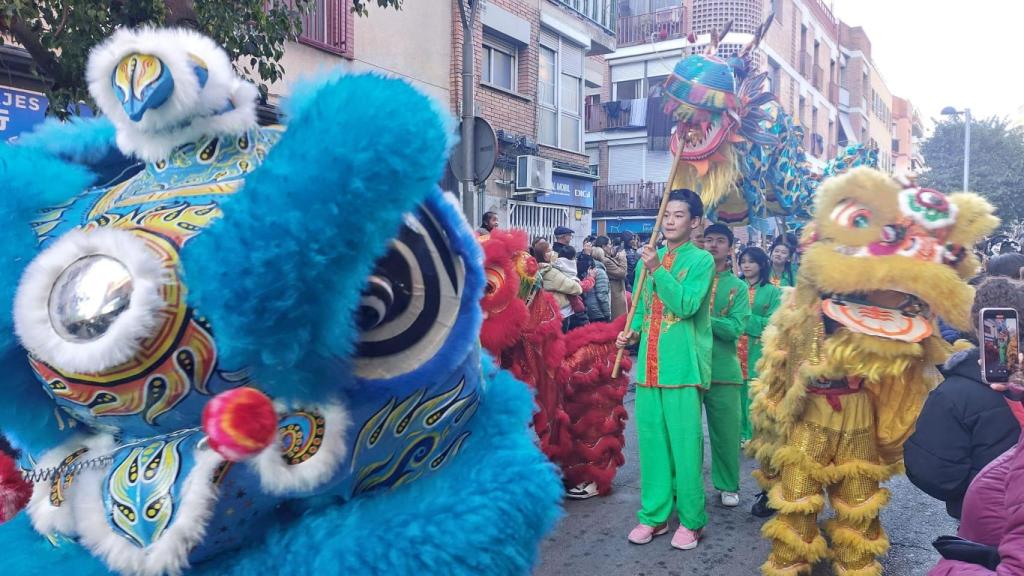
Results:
489 222
964 424
764 298
782 253
673 329
730 310
616 266
598 300
1009 265
629 245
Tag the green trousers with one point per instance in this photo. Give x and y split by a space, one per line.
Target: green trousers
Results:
722 403
746 426
671 442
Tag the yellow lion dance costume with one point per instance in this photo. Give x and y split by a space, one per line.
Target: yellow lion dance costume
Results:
849 358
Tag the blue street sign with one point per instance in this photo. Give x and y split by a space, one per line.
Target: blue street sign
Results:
569 191
20 111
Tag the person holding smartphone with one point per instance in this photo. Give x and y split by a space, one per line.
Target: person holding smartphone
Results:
965 422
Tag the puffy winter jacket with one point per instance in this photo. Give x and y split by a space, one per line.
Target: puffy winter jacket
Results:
598 300
616 267
994 516
963 426
561 286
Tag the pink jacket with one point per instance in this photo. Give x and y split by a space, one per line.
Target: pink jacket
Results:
993 514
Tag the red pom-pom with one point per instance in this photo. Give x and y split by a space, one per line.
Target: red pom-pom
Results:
240 423
15 491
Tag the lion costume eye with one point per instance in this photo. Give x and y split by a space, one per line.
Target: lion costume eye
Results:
851 214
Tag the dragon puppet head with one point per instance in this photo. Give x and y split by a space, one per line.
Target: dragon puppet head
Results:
884 259
717 103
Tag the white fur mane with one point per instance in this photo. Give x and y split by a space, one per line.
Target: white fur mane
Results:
191 111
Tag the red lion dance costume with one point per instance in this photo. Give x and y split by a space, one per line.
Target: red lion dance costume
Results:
580 418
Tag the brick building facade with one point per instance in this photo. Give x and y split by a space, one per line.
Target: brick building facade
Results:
533 60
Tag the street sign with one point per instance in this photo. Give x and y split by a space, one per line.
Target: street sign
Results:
485 152
20 111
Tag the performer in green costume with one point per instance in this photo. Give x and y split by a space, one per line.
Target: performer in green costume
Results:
729 312
673 328
764 297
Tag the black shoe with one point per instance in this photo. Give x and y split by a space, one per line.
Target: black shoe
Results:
761 508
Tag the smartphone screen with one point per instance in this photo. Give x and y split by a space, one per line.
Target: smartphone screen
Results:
1001 342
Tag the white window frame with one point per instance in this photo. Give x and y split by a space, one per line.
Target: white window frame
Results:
558 110
491 45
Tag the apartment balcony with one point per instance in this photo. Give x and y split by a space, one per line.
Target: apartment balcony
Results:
600 18
600 12
638 114
639 199
651 27
833 92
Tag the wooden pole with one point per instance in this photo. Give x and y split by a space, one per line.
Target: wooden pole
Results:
653 243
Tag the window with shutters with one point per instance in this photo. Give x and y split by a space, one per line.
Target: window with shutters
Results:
626 163
499 63
560 93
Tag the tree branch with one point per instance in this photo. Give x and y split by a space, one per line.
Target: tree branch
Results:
44 60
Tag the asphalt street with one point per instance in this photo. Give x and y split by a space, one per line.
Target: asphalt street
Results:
591 538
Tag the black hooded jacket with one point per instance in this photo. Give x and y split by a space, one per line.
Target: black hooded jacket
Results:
963 426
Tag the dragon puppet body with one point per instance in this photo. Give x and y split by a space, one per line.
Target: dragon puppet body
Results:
580 419
160 307
849 358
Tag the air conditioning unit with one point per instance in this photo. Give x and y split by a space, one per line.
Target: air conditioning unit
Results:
533 173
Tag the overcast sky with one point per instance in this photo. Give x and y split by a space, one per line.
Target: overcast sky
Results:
940 53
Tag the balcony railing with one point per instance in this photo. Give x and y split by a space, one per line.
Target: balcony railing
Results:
639 197
641 112
325 25
651 27
601 12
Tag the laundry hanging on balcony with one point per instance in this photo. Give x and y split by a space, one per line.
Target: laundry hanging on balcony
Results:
659 124
638 113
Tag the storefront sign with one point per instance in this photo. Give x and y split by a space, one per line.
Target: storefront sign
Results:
569 191
20 111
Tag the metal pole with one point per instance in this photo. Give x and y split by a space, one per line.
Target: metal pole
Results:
967 146
469 199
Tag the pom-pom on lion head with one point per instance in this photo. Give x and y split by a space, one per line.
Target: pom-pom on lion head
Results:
888 257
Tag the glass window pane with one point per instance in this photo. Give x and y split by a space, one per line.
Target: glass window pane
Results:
546 77
570 133
548 121
570 94
487 64
502 70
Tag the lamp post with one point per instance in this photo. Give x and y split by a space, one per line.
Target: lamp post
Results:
950 111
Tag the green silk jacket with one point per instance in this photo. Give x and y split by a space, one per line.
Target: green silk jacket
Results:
765 300
673 320
729 313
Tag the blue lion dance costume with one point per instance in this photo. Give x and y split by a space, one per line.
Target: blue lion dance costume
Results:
316 262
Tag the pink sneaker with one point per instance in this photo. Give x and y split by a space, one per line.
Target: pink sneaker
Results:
643 533
685 539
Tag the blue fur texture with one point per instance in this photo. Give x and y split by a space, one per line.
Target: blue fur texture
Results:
33 179
280 275
485 514
79 140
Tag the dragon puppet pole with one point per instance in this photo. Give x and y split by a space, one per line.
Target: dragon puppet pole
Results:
653 243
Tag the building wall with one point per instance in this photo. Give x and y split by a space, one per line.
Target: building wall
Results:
373 48
870 117
515 113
